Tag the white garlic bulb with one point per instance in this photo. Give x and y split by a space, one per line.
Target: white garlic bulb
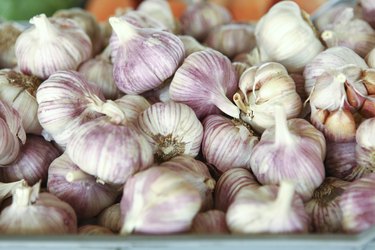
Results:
9 33
172 129
111 218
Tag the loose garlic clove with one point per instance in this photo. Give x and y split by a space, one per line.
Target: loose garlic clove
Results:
158 201
210 222
51 45
227 143
94 230
271 209
341 161
136 65
111 218
191 45
204 82
172 129
9 32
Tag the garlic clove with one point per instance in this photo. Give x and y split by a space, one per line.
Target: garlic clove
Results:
94 230
191 45
9 32
368 78
210 222
340 126
341 161
111 218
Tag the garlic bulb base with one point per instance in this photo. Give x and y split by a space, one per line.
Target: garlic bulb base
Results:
167 147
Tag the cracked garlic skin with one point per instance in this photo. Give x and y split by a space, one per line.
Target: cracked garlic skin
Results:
9 33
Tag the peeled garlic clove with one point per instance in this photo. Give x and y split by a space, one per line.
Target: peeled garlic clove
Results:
111 218
370 58
227 143
204 82
365 135
358 205
232 39
210 222
19 90
137 64
230 184
132 106
340 161
172 129
51 45
201 16
368 11
191 45
93 230
270 210
9 33
158 201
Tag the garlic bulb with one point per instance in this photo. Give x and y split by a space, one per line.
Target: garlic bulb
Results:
260 89
80 190
196 173
329 15
201 16
368 10
292 150
341 161
370 58
271 209
51 45
7 189
111 218
12 134
227 143
365 135
32 162
158 201
286 35
204 82
172 129
324 209
210 222
232 39
9 33
99 71
93 230
19 90
358 205
32 212
230 184
191 45
136 65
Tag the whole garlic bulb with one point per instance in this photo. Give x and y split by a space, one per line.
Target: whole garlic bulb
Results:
136 65
286 35
93 230
210 222
271 209
9 33
227 143
172 129
191 45
204 82
111 218
158 201
139 20
19 91
51 45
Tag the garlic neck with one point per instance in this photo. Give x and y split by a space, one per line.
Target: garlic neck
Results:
285 197
22 197
330 39
43 25
6 189
108 108
282 133
124 30
77 175
240 104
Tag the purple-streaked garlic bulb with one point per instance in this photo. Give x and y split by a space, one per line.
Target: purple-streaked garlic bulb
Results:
197 174
191 45
232 39
99 71
324 209
136 65
230 184
358 205
270 209
12 134
66 100
111 218
109 150
32 162
260 89
205 81
368 11
292 150
51 45
34 213
172 129
9 32
201 17
340 160
210 222
19 90
227 143
7 189
158 201
94 230
80 190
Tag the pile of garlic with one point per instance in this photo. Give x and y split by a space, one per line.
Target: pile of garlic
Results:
199 125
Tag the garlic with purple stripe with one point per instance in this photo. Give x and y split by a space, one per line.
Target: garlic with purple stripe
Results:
51 45
172 129
204 82
210 222
136 65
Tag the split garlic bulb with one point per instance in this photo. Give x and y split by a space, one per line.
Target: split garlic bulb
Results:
111 218
51 45
210 222
191 45
136 65
204 82
93 230
158 201
271 209
19 91
292 150
227 143
341 161
172 129
286 35
9 33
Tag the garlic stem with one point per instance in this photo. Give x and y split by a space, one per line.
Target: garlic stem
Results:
210 183
124 30
240 104
77 175
282 133
225 105
6 189
43 25
108 108
285 196
329 38
22 196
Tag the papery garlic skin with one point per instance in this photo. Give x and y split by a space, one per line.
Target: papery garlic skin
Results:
340 160
93 230
111 218
204 82
172 129
210 222
227 143
191 45
9 33
158 201
51 45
